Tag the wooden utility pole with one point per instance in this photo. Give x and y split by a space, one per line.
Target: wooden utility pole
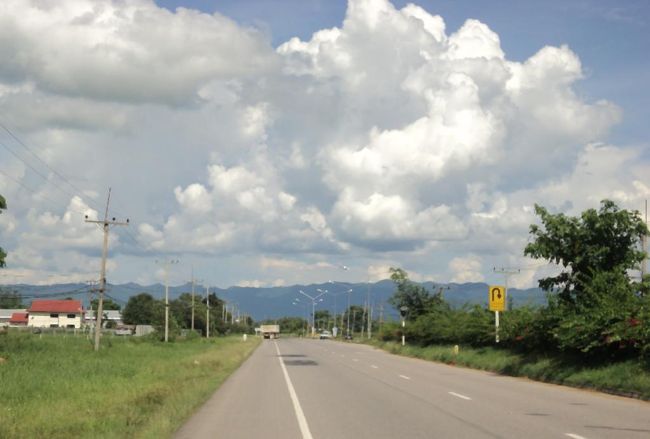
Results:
102 280
644 245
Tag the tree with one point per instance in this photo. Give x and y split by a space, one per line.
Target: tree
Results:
594 308
415 297
3 254
10 300
106 306
143 309
604 241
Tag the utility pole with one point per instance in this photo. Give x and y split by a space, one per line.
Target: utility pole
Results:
369 311
192 325
102 280
644 245
507 272
167 264
207 312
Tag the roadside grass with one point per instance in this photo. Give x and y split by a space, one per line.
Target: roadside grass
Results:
57 386
628 378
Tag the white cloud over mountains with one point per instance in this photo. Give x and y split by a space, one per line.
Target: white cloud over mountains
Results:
389 139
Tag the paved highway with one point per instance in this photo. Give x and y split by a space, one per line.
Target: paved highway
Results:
298 388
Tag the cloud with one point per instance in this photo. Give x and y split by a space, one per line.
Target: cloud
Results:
468 269
387 138
123 51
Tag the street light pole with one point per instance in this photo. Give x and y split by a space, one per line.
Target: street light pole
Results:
313 309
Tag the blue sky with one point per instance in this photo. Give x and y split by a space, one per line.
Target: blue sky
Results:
387 134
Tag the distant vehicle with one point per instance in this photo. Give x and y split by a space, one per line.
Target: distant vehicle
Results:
270 331
325 335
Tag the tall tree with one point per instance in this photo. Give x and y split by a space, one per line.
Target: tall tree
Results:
415 297
143 309
3 254
603 241
10 300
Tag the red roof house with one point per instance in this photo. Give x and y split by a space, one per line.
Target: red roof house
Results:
18 318
56 306
55 313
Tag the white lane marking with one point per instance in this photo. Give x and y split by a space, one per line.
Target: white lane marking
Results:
300 415
374 367
405 377
458 395
574 436
355 359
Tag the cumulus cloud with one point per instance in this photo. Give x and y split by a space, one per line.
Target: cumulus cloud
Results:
387 138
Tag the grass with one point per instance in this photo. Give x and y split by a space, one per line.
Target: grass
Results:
627 378
57 386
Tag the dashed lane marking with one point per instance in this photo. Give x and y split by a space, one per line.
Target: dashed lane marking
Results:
458 395
300 415
405 377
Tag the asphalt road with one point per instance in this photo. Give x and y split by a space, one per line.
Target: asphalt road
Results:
299 388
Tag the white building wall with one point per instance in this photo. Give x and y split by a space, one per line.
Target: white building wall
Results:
44 320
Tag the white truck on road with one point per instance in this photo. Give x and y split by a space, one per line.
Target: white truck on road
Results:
270 331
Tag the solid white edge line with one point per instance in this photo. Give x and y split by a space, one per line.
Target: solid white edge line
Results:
405 377
574 436
458 395
300 415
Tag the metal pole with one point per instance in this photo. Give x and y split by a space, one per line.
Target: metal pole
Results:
349 294
207 312
166 301
403 336
192 326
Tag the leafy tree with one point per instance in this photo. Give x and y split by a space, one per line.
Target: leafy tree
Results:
597 309
143 309
3 254
355 313
322 319
10 300
415 297
603 241
106 306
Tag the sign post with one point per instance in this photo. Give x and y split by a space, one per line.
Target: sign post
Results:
403 311
497 303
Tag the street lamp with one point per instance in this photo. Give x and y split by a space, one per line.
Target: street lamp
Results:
167 263
313 309
335 303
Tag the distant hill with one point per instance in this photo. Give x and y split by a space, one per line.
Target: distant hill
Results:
273 302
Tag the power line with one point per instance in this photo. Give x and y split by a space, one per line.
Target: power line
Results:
21 143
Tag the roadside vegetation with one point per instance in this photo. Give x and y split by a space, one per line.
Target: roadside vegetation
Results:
594 330
55 385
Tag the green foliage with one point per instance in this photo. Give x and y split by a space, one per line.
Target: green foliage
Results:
107 305
603 241
415 297
143 309
10 300
355 314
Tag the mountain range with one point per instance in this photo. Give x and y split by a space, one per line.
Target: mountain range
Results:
272 302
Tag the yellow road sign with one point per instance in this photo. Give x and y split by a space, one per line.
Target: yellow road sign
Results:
497 298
